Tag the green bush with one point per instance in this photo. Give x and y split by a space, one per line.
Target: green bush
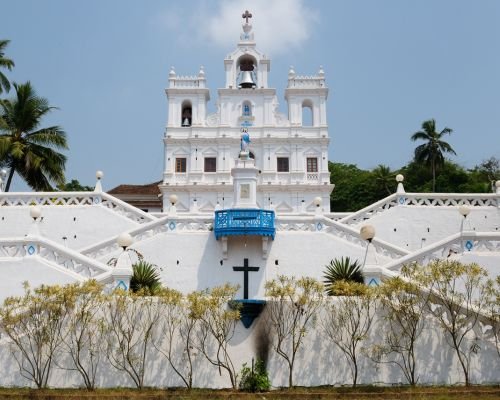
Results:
254 379
343 269
145 278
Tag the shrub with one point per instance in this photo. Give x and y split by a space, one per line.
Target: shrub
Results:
254 379
343 269
145 279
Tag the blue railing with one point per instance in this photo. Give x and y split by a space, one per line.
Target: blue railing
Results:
244 222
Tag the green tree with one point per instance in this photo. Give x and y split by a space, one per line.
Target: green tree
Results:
217 323
384 178
354 187
179 334
74 186
290 312
133 324
493 309
458 293
488 172
25 149
431 152
405 306
84 335
348 320
34 323
4 63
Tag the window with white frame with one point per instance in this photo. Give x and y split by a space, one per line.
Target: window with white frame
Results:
180 164
210 164
283 164
312 164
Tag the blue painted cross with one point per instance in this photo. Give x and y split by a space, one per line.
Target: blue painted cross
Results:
245 269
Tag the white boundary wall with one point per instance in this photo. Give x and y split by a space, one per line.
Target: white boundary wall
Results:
319 362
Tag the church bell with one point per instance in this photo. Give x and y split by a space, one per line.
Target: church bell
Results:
246 81
186 122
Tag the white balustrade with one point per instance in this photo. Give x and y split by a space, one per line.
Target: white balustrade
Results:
451 199
422 199
13 199
69 199
312 176
125 209
373 209
78 265
459 243
314 81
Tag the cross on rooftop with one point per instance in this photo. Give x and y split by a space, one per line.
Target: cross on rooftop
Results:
246 15
245 269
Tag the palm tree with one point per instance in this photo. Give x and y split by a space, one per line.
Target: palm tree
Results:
24 148
383 177
431 152
4 63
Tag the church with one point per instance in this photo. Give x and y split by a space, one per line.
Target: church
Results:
244 197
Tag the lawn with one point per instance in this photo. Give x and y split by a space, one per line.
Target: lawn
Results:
360 393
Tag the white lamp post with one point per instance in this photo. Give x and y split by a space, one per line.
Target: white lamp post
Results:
317 202
399 179
124 240
123 269
367 233
464 210
173 201
35 213
98 185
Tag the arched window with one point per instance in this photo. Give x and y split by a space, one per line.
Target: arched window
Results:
187 113
246 110
307 113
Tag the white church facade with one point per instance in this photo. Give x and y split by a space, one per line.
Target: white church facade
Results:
245 189
201 148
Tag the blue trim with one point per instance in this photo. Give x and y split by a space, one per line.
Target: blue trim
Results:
249 309
373 282
239 222
122 285
31 249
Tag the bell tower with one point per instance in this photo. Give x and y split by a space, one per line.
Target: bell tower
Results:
187 99
246 67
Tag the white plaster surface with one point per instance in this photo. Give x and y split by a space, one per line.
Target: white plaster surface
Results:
81 225
408 226
28 269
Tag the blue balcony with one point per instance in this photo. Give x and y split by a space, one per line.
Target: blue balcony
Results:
235 222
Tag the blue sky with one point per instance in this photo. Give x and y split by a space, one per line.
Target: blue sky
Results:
389 64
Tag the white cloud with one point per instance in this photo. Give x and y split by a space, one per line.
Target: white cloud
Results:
279 25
